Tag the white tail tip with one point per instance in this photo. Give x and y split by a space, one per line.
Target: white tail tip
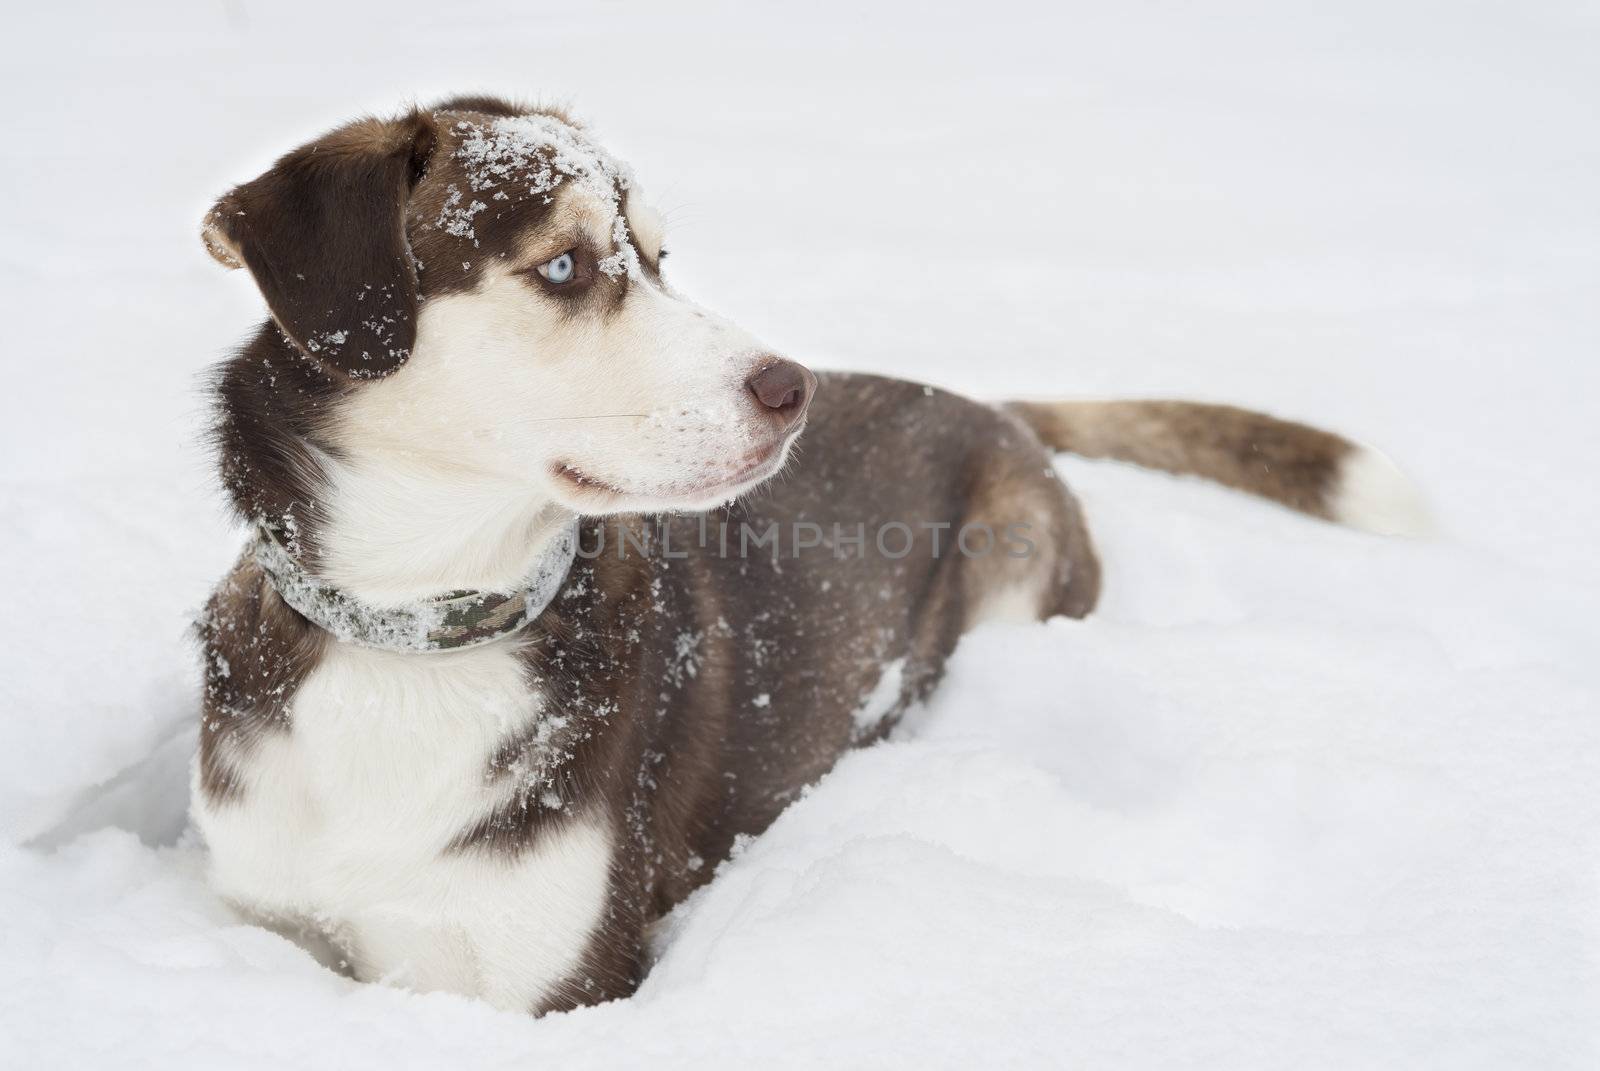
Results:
1374 495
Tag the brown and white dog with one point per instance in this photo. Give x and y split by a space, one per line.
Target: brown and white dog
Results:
472 346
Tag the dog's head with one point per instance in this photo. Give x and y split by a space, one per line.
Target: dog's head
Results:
484 282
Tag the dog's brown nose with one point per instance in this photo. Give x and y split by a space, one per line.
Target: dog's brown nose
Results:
783 389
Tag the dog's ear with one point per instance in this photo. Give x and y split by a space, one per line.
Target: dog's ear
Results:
323 233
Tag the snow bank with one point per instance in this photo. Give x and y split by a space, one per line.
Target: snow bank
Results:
1296 796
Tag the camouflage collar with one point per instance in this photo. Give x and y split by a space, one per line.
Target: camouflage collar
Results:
449 622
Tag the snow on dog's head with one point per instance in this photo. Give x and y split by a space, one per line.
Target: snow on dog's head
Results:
493 277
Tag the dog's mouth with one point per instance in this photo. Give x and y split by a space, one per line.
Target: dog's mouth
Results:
719 482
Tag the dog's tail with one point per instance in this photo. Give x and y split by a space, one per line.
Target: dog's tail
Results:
1302 467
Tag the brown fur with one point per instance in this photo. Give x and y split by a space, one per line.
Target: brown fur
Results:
323 234
1290 463
272 408
257 653
707 691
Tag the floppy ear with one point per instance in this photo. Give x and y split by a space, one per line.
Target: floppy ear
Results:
323 233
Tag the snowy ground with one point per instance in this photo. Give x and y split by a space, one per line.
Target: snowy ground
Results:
1294 797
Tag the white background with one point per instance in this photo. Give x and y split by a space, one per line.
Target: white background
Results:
1296 796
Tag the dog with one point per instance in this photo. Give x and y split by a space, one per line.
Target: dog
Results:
448 743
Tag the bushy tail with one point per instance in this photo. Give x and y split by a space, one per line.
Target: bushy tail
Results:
1302 467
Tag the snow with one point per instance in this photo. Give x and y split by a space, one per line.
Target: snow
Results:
879 702
498 153
456 218
1295 796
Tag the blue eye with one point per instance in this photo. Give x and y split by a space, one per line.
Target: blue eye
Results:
559 270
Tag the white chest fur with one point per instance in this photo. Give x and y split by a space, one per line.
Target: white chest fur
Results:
346 821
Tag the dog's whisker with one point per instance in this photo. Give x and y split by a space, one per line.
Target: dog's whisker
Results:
593 416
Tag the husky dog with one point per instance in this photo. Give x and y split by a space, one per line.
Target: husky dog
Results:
448 738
